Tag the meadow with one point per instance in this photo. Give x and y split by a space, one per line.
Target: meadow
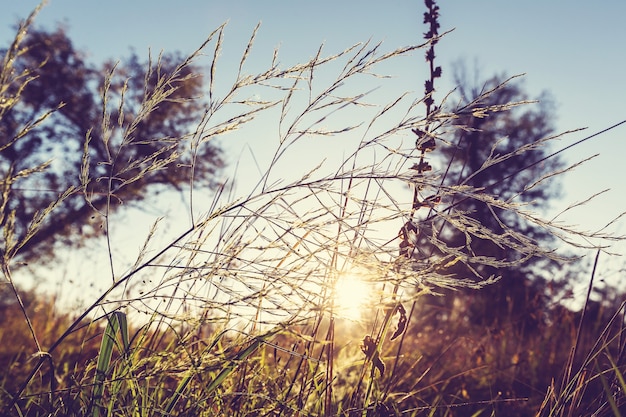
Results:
391 277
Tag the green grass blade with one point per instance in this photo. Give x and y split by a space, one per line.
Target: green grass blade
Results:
223 374
618 373
182 386
609 393
478 413
123 328
233 363
116 320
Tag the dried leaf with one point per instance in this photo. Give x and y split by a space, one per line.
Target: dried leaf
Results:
402 321
370 350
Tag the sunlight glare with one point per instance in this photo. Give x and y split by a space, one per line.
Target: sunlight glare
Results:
352 296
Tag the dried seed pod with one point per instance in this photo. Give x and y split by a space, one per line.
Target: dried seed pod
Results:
402 321
371 352
427 146
368 347
408 235
379 364
423 166
430 201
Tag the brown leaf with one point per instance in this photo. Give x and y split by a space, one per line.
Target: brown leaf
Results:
402 321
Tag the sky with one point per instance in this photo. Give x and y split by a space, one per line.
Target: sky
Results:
570 49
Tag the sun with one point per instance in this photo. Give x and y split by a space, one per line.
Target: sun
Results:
352 295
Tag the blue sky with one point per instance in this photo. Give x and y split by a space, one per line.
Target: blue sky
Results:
571 49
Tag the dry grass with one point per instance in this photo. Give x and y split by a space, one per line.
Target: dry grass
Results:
241 318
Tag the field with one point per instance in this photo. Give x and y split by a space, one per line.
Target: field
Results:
407 271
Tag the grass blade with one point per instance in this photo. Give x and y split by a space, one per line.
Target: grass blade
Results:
117 322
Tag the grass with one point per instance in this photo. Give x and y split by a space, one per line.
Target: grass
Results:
236 315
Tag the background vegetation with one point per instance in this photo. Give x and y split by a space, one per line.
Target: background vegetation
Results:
436 206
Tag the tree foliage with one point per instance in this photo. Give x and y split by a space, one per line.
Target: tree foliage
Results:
131 148
499 153
477 155
504 334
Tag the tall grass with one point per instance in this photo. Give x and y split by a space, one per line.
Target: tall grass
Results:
238 312
593 380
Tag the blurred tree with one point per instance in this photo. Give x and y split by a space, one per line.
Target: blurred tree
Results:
471 341
135 149
475 141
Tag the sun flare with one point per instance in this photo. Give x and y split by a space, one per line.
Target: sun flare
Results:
351 296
